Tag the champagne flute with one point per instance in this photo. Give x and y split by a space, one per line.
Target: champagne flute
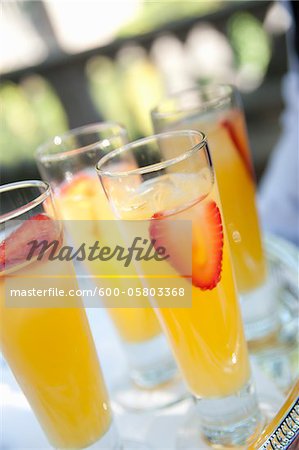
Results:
217 111
67 162
206 337
46 340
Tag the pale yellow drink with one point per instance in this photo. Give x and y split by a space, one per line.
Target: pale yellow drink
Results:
226 132
231 157
52 355
206 339
83 198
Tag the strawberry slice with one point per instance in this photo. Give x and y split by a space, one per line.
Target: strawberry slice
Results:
2 255
164 233
82 185
236 134
207 247
85 185
207 244
14 249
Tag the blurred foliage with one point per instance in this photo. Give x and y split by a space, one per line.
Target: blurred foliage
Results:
154 14
124 89
142 87
250 42
106 91
31 112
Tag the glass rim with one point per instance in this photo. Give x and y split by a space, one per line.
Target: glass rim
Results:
151 167
27 206
42 155
206 104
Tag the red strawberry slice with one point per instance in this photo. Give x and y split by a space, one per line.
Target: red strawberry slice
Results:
238 138
170 235
14 249
82 185
2 255
207 247
207 244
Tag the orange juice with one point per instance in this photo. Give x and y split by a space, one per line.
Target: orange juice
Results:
85 199
207 339
231 158
53 357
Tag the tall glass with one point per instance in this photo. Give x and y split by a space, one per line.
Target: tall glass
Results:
68 163
207 338
216 110
50 350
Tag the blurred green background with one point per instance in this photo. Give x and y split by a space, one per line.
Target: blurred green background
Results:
127 84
